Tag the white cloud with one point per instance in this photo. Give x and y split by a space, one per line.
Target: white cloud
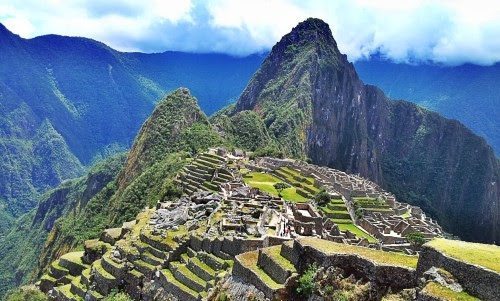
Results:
446 31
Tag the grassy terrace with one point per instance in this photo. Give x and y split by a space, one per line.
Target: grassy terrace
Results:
487 256
274 253
249 260
380 257
444 293
265 182
170 278
372 204
358 232
295 178
337 211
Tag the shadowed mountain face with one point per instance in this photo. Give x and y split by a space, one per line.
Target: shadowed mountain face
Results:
468 93
313 102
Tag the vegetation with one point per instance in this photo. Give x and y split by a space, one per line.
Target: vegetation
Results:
117 296
322 198
416 239
249 260
357 231
487 256
244 130
306 282
280 186
26 293
31 231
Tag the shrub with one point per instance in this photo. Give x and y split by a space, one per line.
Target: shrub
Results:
322 198
416 239
306 283
26 293
280 186
117 296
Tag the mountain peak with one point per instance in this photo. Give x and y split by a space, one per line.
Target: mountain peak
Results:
311 30
313 24
306 53
163 132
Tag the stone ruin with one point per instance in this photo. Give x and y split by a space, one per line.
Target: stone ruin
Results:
389 226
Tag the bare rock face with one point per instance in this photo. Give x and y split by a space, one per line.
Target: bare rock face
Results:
313 102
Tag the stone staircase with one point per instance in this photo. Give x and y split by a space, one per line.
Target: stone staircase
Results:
268 269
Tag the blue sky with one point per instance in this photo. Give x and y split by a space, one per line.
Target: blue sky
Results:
444 31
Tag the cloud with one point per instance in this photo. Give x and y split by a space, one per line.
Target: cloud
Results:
447 31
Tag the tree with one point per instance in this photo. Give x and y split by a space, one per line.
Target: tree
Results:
280 186
322 198
416 239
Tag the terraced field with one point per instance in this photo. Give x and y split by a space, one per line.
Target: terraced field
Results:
205 172
336 210
301 188
267 269
372 205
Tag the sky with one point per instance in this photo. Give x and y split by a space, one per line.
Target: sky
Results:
449 32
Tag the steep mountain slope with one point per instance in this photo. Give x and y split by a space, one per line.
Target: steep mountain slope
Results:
35 157
468 93
95 99
314 104
20 249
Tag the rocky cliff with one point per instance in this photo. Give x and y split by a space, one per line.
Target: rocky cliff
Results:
313 102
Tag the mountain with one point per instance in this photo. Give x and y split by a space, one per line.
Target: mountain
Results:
468 93
112 192
93 99
314 104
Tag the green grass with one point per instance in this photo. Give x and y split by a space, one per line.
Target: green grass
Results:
265 182
249 260
358 232
204 266
381 257
444 293
274 253
289 175
75 257
406 215
98 267
487 256
186 272
170 278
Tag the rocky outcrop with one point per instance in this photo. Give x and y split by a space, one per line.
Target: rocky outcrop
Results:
314 104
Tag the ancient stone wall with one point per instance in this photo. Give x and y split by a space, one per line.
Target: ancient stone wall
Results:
384 275
476 280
